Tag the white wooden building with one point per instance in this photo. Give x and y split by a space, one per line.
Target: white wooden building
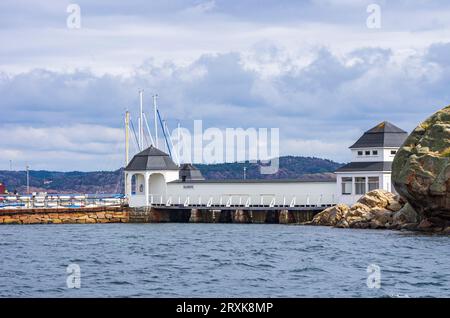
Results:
371 166
152 178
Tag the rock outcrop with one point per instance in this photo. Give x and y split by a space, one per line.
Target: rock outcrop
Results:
421 171
376 210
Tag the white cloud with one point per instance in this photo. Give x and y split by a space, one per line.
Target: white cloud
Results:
311 69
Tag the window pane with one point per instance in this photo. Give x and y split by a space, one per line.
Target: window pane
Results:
367 153
360 185
346 186
375 152
360 153
374 183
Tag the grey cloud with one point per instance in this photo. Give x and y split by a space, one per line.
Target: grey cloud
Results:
329 101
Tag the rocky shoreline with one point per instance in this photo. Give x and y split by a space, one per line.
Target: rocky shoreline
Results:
421 176
379 209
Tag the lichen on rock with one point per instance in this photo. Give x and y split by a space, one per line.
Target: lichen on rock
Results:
421 168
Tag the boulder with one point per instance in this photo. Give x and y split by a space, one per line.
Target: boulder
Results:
383 216
331 216
405 215
373 210
421 168
379 199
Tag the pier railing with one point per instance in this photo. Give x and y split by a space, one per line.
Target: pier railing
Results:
60 201
243 201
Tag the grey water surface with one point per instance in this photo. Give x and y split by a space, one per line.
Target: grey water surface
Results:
220 260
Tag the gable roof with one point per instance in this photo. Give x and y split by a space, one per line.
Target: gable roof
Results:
384 134
190 172
151 159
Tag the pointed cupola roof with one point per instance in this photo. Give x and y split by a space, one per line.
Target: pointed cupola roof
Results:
151 159
383 135
189 172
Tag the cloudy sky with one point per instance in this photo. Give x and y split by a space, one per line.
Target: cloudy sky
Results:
311 68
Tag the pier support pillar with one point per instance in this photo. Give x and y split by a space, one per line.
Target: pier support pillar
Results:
241 216
286 217
303 216
201 216
196 216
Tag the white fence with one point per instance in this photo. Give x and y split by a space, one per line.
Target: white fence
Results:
59 201
244 201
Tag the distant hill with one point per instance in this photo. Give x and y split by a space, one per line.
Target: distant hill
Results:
290 167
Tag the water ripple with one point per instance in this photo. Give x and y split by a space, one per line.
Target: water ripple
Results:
226 260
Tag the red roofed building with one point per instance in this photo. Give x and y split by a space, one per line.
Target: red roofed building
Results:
2 188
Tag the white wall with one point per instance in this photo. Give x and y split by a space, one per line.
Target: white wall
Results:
387 155
364 157
384 183
384 154
143 193
306 193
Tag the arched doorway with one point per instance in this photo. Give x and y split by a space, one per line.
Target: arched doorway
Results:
157 188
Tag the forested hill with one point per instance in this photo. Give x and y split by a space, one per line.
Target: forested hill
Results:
290 167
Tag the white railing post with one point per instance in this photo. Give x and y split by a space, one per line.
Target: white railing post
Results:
272 203
229 201
210 201
293 202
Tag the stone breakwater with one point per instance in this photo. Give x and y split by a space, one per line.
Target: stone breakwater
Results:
65 215
151 215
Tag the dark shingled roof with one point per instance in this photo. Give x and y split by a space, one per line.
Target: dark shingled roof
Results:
366 166
382 135
151 159
189 172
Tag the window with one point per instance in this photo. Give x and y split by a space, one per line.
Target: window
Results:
360 185
393 152
347 186
374 183
133 184
360 153
367 152
375 152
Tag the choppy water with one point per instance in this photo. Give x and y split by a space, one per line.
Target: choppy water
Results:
219 260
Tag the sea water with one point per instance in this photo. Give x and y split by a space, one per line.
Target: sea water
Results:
219 260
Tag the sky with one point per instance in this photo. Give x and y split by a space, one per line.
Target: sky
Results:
311 68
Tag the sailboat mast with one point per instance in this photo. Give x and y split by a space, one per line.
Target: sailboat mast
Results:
127 137
156 119
141 121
